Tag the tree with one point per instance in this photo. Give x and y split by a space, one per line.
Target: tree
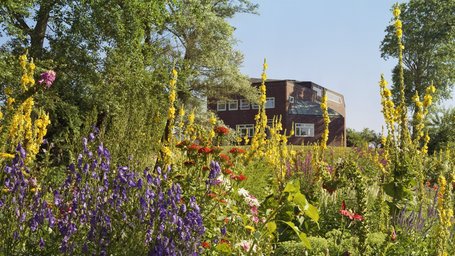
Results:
113 59
366 137
440 129
429 54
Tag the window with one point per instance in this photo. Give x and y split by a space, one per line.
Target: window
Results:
221 105
233 104
291 99
333 97
304 130
245 129
270 102
244 104
254 106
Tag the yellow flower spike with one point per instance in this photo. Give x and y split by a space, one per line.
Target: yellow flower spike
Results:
398 24
6 155
182 111
396 11
212 119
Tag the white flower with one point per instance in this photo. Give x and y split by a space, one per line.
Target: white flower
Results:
243 192
244 244
252 201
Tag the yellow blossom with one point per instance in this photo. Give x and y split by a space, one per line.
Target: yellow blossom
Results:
396 11
6 155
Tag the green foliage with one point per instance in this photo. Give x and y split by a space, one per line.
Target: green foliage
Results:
441 130
428 38
366 137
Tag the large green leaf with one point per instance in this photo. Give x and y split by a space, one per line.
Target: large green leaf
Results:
306 207
300 234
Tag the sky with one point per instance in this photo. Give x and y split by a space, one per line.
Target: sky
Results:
332 43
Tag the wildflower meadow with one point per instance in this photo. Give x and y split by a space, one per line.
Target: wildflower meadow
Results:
207 191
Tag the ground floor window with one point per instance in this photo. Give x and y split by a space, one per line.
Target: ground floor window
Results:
304 130
245 129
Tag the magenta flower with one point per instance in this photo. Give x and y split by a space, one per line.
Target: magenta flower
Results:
48 78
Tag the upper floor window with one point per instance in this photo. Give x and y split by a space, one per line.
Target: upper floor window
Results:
304 130
221 105
244 104
254 106
270 102
233 104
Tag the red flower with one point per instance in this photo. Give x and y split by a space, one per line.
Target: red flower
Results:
194 147
236 151
205 150
224 158
240 177
212 195
221 130
205 244
205 168
227 171
357 216
349 214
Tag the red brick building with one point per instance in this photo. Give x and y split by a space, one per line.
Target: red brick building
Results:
298 104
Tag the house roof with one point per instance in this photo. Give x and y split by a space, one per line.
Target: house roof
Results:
259 80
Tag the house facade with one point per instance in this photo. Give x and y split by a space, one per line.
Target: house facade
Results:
298 104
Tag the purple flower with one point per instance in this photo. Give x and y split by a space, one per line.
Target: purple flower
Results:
48 78
41 243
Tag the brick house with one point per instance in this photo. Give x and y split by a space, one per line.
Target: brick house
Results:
298 104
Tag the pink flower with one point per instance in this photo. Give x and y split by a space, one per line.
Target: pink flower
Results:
48 78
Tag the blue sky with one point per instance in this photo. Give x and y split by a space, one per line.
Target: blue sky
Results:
329 42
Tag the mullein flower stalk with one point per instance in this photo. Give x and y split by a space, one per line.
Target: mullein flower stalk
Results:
445 213
168 140
326 118
259 137
404 132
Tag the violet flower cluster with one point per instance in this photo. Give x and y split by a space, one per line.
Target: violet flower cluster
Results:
98 210
22 207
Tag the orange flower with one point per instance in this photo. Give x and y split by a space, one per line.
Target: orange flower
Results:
240 177
194 147
205 150
237 151
205 244
221 130
227 171
224 158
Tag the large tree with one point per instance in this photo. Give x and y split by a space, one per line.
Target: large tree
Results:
429 53
113 59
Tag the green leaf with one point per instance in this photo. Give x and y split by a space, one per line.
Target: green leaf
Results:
312 212
271 226
292 187
306 207
300 234
223 247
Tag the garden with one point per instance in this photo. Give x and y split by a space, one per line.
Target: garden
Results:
203 190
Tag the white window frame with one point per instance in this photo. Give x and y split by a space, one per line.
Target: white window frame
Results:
304 130
270 102
244 129
244 104
254 105
231 104
219 105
